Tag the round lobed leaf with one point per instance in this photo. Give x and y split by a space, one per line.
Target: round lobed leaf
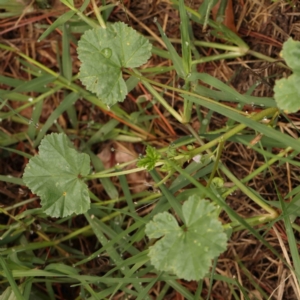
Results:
291 54
55 175
187 251
104 52
287 93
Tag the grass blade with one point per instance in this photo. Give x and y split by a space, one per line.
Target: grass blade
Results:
7 273
185 38
173 55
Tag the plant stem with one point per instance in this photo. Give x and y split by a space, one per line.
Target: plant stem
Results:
211 45
98 15
217 57
272 213
216 163
187 106
124 172
87 20
233 131
259 170
267 58
162 101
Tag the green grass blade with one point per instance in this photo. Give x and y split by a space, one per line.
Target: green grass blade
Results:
12 82
146 289
180 289
13 96
50 291
252 280
67 70
127 193
213 269
232 214
13 139
7 273
261 128
205 10
97 228
30 102
185 38
169 196
103 131
10 179
61 20
34 121
226 92
239 98
66 56
28 288
21 153
293 245
109 187
38 85
173 55
63 106
114 239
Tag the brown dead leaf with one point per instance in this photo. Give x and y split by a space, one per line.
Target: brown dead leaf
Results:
119 153
229 15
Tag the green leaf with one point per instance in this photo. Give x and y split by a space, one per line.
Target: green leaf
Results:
151 158
291 54
287 93
173 55
14 293
187 251
55 175
217 182
287 90
104 52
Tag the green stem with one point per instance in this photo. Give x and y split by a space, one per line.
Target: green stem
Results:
210 45
217 57
272 213
74 88
267 58
192 153
98 15
216 163
259 170
296 227
253 221
33 102
87 20
161 100
178 90
163 180
233 131
124 172
187 106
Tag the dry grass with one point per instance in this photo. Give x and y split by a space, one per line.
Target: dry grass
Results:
264 25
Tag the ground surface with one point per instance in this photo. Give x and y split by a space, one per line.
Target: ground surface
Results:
264 25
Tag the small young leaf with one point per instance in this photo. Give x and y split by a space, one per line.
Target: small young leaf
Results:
104 52
217 182
55 175
291 54
287 93
151 158
187 251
